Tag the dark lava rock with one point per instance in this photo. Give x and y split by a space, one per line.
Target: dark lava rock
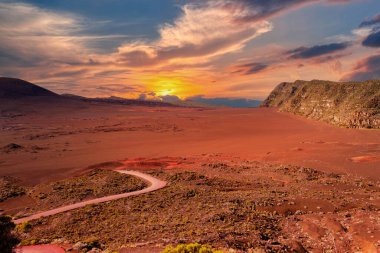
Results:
12 147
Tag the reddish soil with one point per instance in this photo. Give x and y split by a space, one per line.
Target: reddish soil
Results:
364 158
231 203
40 249
154 184
59 142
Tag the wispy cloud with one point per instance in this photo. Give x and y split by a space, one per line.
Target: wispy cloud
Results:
33 36
316 51
208 46
366 69
206 29
201 32
372 40
375 20
369 31
249 68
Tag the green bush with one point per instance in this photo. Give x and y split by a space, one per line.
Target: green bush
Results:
7 238
29 241
191 248
23 227
92 243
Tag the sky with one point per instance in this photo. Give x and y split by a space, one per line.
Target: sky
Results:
182 49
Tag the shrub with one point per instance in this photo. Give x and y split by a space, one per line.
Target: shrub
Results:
29 241
7 238
191 248
92 243
23 227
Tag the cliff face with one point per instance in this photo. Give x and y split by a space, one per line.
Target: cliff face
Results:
348 104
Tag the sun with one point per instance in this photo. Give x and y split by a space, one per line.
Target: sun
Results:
164 92
163 86
167 87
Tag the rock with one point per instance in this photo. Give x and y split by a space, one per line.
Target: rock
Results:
348 104
95 250
12 147
58 241
79 246
297 247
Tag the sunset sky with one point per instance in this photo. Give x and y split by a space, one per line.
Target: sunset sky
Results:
164 49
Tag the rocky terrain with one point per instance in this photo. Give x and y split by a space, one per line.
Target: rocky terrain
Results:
348 104
9 188
230 204
230 185
94 182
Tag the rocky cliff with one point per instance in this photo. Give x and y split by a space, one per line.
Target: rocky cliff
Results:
347 104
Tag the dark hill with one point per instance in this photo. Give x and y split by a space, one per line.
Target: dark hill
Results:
16 92
16 88
125 101
347 104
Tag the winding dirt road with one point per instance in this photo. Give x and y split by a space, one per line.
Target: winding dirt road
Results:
154 184
39 249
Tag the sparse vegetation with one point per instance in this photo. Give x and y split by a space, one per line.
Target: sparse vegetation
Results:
246 207
191 248
92 184
9 188
92 243
23 227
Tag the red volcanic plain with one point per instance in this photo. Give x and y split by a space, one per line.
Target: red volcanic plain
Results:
210 157
57 142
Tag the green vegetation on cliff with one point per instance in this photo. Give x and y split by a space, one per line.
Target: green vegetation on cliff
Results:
347 104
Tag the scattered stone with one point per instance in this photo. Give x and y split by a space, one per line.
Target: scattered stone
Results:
12 147
10 188
297 247
95 250
79 246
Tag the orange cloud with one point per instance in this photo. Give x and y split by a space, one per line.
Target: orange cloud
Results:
200 33
189 57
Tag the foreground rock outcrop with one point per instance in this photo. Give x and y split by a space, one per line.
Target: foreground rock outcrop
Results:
347 104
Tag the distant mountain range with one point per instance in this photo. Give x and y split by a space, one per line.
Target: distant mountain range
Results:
347 104
228 102
20 90
12 88
120 101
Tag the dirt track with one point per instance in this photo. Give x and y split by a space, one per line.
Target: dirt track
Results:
155 184
40 249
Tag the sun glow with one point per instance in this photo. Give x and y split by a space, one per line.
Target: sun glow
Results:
168 86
